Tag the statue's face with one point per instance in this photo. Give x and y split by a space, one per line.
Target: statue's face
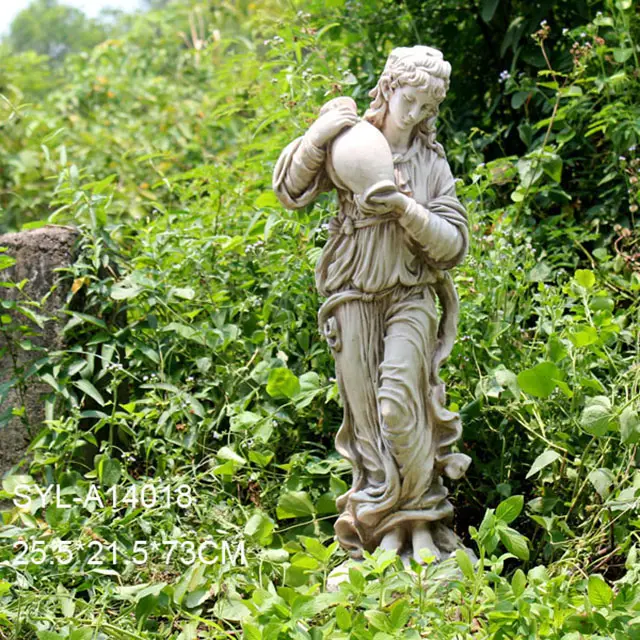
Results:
408 106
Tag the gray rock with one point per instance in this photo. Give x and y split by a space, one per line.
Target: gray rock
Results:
38 253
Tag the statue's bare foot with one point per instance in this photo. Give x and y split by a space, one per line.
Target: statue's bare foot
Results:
422 539
393 539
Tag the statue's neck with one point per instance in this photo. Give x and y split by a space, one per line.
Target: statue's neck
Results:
399 139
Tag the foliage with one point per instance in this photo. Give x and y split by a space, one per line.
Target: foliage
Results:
193 367
54 30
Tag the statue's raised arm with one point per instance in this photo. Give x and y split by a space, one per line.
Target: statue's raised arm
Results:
300 175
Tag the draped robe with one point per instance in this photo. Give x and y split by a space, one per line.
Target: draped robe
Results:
381 277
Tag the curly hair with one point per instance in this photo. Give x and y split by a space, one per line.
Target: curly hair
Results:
419 66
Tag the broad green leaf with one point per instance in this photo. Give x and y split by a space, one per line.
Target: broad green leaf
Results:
599 592
540 381
510 509
109 471
282 383
542 461
514 542
260 527
343 618
227 453
596 415
542 272
585 278
602 480
629 425
186 293
294 504
553 167
124 291
251 631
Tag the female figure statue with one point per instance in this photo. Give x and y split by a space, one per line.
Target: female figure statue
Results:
385 263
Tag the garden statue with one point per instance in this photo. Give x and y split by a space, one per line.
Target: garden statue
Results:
399 229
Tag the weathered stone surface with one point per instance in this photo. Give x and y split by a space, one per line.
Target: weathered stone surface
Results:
38 253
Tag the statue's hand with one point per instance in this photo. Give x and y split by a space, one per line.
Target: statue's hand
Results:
392 202
330 124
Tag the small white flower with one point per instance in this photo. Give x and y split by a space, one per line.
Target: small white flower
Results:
565 31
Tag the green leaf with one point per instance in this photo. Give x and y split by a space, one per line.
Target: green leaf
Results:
465 564
124 291
514 542
282 383
488 9
6 262
585 278
622 55
542 461
518 583
596 415
553 167
343 618
259 526
186 293
629 425
510 509
541 380
400 613
599 592
542 272
227 453
584 336
86 387
602 480
251 631
109 471
294 504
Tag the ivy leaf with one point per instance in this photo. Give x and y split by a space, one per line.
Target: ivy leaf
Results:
542 461
541 380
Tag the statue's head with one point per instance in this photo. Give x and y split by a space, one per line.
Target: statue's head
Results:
422 68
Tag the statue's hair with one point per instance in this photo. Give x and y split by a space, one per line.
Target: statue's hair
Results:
419 66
